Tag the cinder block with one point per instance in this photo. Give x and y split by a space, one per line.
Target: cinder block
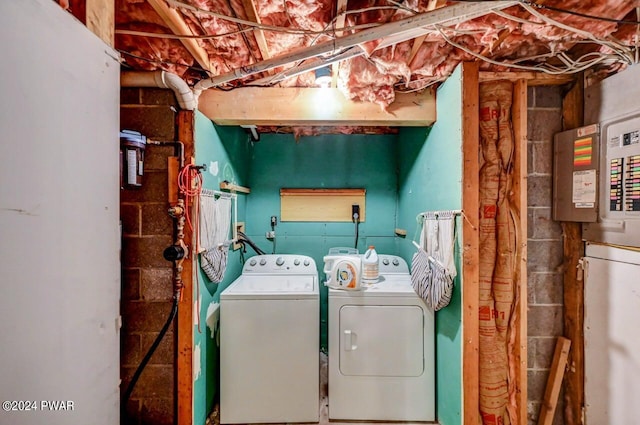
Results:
543 226
542 124
129 96
132 413
130 288
157 411
130 216
533 410
157 284
544 320
530 168
536 384
165 353
155 156
140 316
531 352
531 93
548 97
130 346
155 122
145 251
154 189
158 96
544 255
156 219
545 347
548 287
539 191
155 382
543 157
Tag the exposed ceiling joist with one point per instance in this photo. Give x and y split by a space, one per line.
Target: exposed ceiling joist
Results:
533 78
341 9
179 27
389 34
313 107
252 14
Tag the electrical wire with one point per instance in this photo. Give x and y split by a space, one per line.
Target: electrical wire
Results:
147 357
181 37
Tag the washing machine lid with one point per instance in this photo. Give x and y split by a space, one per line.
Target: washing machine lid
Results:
272 287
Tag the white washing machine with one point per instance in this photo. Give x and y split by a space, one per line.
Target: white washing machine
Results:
381 350
269 344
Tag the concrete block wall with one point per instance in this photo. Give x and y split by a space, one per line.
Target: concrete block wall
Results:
147 230
545 256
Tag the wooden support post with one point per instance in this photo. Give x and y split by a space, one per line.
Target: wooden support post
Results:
556 373
470 236
572 114
184 361
519 201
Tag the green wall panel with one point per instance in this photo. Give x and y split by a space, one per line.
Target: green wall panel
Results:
430 178
224 149
329 161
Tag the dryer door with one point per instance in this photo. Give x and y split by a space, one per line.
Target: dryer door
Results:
381 340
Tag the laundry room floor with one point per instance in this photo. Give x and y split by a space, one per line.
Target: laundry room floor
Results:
214 418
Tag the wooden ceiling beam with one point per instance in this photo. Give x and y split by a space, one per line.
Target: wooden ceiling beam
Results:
252 14
532 78
313 107
177 24
341 8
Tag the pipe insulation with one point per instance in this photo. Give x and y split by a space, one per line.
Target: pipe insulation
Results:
162 79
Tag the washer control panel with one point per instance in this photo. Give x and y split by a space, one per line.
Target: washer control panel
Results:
280 264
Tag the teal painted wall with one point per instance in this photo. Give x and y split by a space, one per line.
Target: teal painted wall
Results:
224 148
430 178
330 161
417 170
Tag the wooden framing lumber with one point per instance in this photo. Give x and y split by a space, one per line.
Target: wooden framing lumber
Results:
519 201
252 14
471 239
556 373
312 107
184 361
573 248
532 78
97 15
177 24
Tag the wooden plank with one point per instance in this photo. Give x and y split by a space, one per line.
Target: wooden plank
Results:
323 205
97 15
471 243
292 106
533 78
234 187
252 15
417 42
341 8
177 24
573 248
556 373
184 361
519 201
173 168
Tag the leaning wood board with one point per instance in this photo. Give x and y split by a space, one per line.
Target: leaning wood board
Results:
323 205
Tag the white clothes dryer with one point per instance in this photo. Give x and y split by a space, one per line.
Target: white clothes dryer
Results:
269 345
381 350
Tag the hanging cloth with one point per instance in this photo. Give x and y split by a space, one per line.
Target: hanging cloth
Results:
215 223
433 266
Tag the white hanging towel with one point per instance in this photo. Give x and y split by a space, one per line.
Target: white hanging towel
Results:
433 267
215 224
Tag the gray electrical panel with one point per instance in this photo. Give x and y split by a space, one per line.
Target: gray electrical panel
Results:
575 174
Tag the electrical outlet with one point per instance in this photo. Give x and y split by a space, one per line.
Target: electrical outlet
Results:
355 209
239 228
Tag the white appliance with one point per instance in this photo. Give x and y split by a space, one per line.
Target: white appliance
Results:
612 346
381 350
343 271
269 345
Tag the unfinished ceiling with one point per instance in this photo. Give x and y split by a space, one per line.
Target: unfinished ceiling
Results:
376 48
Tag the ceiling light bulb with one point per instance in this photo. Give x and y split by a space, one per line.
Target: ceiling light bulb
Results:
323 77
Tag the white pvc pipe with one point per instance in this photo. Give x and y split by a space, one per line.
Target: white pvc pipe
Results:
161 79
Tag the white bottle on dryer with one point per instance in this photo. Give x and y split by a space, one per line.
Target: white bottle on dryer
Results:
370 265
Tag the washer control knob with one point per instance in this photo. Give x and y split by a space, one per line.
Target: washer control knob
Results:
396 262
385 261
252 262
263 261
296 262
306 262
279 261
